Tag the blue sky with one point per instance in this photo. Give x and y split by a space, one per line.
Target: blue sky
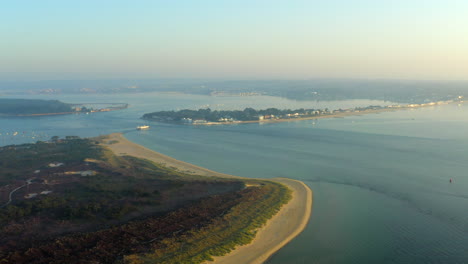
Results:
273 39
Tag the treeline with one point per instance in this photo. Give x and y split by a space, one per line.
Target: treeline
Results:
32 106
212 226
248 114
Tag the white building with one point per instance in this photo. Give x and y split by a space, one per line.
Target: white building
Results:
55 164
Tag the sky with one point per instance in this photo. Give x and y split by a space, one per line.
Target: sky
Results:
234 39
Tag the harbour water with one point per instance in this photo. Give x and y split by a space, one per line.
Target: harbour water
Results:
381 181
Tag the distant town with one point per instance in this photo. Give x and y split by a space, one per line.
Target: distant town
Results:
301 90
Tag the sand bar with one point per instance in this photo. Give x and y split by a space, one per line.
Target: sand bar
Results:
278 231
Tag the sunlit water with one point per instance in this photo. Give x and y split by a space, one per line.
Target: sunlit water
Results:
380 181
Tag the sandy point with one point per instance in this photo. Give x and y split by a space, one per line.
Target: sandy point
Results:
288 223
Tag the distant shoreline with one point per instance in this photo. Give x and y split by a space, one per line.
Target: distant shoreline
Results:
289 222
42 114
69 113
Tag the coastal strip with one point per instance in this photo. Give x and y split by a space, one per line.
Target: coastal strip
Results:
341 113
289 222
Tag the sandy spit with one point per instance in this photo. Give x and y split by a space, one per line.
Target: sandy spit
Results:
289 222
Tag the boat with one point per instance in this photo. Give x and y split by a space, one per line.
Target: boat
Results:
143 127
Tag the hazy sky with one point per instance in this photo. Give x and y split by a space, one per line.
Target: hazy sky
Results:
280 39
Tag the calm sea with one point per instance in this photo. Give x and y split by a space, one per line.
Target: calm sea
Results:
381 182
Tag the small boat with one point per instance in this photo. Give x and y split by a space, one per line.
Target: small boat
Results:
142 127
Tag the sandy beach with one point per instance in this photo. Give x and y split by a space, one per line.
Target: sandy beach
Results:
123 146
279 230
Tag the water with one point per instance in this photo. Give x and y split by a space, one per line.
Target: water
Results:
381 182
32 129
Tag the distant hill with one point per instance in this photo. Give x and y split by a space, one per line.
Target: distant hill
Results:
401 91
32 106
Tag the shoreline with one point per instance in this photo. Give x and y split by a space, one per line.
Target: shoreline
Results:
281 229
126 147
70 113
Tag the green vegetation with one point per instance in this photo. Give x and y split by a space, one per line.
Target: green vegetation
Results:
212 226
19 161
248 114
128 210
32 106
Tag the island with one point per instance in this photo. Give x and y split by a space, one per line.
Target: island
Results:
207 116
250 115
38 107
108 200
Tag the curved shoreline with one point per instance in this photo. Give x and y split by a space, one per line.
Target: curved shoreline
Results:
123 146
283 227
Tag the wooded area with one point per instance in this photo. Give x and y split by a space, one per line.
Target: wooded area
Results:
248 114
32 106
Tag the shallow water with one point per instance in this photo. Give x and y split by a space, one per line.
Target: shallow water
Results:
380 181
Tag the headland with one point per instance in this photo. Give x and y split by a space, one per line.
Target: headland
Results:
39 107
289 222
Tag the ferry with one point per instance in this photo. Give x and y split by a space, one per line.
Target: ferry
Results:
142 127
